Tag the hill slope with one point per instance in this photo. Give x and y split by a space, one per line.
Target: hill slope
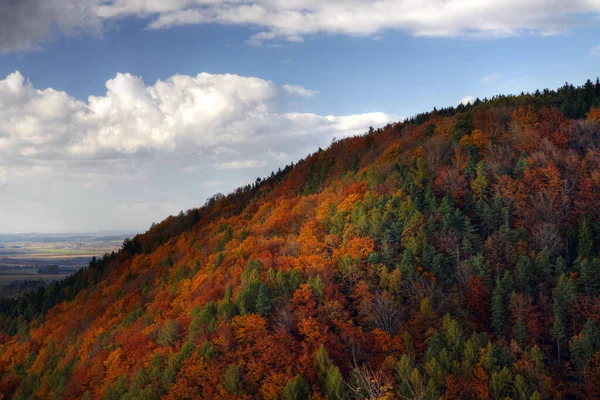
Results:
454 255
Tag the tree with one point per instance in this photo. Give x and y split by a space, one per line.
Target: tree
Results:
585 244
480 183
232 381
330 376
500 384
263 300
384 313
500 299
564 295
296 389
584 345
169 333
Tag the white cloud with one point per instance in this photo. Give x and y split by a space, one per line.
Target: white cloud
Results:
24 24
241 164
293 20
466 100
489 78
61 157
595 51
203 112
296 90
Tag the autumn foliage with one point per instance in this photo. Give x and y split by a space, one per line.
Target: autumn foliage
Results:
453 255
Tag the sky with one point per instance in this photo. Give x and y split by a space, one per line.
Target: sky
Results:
117 113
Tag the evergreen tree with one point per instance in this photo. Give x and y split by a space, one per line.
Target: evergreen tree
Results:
500 299
584 345
232 381
522 165
330 376
564 294
296 389
585 244
589 270
263 300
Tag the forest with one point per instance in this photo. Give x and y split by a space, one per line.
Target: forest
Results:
453 255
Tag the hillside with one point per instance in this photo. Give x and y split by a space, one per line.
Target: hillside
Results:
453 255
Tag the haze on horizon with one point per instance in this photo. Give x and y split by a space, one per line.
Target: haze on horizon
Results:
115 114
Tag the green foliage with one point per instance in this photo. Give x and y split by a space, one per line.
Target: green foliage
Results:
254 298
500 301
480 183
589 271
204 320
132 317
169 333
252 271
585 244
226 310
318 287
117 390
330 376
404 369
430 130
584 345
317 175
28 387
296 389
522 165
263 300
232 381
500 384
207 350
564 295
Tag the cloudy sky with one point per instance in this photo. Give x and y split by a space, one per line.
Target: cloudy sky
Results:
117 113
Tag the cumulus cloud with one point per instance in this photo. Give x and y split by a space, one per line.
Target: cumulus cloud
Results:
25 23
202 112
145 144
595 51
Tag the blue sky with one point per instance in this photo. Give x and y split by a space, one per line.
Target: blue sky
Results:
396 73
283 78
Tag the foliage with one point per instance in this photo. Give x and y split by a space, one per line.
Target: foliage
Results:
452 255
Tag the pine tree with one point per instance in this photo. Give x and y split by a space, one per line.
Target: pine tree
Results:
522 165
564 294
584 345
500 384
296 389
586 242
232 381
480 183
589 271
263 300
543 266
500 298
430 201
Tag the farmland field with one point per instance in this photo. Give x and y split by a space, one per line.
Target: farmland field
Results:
28 261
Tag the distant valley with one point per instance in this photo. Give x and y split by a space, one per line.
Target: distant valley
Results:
29 261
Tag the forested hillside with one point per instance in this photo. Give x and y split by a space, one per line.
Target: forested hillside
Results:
453 255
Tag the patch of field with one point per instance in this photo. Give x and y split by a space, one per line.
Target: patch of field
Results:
21 256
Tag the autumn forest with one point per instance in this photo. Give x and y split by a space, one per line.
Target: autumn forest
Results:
453 255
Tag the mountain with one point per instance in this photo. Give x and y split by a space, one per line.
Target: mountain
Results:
453 255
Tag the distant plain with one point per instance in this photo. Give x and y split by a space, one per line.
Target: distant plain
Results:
22 255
